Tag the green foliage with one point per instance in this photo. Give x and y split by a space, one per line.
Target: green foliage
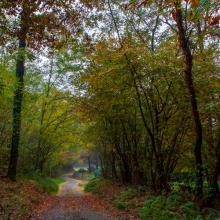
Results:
175 206
50 185
129 199
98 172
128 194
4 158
125 199
120 204
93 186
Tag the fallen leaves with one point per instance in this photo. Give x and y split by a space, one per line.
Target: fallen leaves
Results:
79 203
25 200
17 199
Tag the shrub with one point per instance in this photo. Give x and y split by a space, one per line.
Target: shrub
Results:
120 204
175 206
98 172
93 186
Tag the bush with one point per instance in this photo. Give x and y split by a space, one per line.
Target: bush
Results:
98 172
93 186
120 204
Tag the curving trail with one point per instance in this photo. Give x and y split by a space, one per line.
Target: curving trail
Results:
73 204
59 207
71 186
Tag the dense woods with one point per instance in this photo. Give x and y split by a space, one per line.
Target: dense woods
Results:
134 82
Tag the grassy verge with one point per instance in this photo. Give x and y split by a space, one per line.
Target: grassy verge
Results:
50 185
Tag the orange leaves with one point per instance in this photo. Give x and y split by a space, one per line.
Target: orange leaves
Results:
22 196
64 205
126 7
215 21
191 15
133 6
173 13
194 3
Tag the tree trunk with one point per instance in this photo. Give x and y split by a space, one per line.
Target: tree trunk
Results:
113 169
214 183
189 82
16 124
89 163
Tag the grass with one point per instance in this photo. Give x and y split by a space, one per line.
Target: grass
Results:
58 180
50 185
86 176
81 185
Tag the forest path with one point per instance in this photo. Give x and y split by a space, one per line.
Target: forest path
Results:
73 204
71 186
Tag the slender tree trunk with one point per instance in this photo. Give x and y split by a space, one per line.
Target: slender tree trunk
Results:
214 183
114 172
43 112
16 126
97 161
189 82
89 163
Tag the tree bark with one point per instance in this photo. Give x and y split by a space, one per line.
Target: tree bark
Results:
16 124
214 183
189 82
18 97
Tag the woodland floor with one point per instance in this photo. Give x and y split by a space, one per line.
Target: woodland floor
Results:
72 203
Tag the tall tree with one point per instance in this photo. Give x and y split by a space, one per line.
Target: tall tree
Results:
38 23
184 45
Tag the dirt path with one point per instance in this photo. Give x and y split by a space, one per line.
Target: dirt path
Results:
73 204
71 186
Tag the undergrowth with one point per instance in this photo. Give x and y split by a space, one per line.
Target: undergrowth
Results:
48 184
93 186
177 205
17 199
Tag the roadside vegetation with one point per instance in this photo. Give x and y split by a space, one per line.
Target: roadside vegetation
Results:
178 204
83 174
50 185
